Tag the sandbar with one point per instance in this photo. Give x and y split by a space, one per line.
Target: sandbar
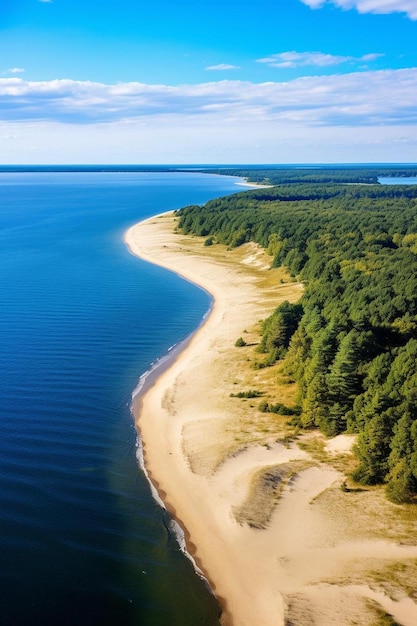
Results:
255 185
264 514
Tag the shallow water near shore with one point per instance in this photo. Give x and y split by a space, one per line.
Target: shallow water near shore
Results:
81 319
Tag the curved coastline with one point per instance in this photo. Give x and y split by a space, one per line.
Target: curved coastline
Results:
314 560
190 491
146 382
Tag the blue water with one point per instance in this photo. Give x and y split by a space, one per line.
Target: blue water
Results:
398 180
82 540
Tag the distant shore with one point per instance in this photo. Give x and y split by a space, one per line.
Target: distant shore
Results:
303 555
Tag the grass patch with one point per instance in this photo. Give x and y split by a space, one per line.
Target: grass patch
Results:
382 618
252 393
315 447
265 490
398 575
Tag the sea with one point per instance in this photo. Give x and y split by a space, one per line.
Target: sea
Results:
83 541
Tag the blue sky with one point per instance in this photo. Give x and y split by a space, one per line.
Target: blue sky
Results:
276 81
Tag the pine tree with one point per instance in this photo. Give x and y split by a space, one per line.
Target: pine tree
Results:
402 481
343 380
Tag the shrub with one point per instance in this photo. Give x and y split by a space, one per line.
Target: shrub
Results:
252 393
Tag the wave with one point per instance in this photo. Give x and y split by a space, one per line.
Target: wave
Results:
141 463
146 380
158 367
173 527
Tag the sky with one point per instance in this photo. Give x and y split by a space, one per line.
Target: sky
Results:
227 82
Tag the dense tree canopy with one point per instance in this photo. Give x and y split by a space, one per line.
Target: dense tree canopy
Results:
351 342
281 175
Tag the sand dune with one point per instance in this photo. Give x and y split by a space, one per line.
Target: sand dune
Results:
266 520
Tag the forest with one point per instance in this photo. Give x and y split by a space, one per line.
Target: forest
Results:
350 343
303 174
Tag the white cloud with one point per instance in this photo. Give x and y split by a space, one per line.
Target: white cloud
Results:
222 66
15 70
370 6
293 59
371 57
314 4
350 99
297 59
340 118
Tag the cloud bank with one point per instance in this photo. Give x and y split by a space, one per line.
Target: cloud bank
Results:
354 99
357 117
409 7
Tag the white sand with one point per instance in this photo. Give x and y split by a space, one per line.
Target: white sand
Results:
315 561
259 185
341 444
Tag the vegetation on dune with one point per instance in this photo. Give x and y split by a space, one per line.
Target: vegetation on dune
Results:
351 341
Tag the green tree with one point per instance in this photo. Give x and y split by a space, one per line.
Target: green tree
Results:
373 449
343 380
402 481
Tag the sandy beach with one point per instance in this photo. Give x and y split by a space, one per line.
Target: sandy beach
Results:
254 185
265 516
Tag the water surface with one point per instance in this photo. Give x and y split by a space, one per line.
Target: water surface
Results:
398 180
83 541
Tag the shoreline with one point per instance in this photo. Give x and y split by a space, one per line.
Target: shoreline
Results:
153 377
255 185
207 454
146 402
150 381
146 382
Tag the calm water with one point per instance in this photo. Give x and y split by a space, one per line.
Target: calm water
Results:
399 180
83 542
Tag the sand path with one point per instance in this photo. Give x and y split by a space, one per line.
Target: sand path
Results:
314 559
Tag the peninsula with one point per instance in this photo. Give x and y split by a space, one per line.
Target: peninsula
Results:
265 517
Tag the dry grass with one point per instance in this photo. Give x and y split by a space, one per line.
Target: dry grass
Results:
381 617
396 578
242 424
314 443
266 487
366 513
